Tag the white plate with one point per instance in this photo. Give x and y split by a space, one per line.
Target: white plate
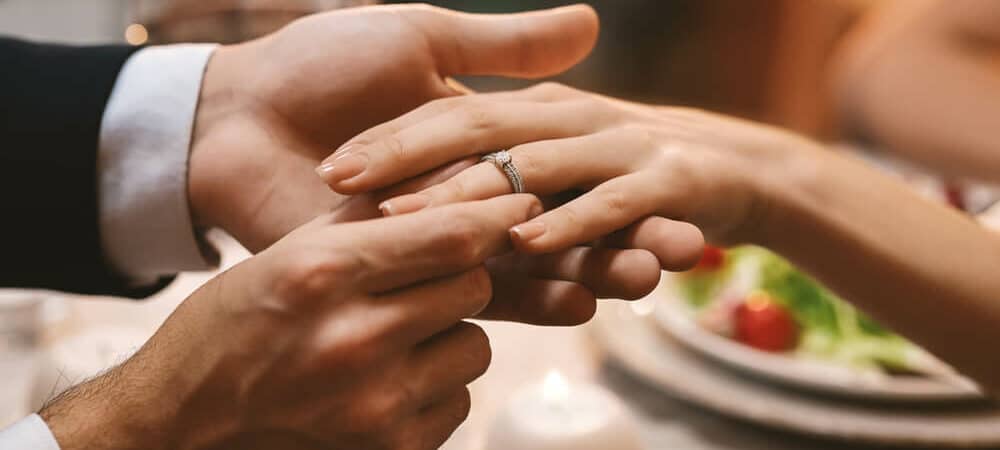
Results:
673 316
641 347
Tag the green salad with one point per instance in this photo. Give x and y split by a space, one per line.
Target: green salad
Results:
761 300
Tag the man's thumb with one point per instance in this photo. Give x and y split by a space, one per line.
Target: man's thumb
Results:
529 45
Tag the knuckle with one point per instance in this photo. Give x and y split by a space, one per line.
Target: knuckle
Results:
374 413
476 117
454 189
570 216
617 202
460 239
359 351
639 136
394 148
311 277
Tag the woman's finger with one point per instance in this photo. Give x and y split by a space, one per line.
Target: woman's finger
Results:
677 245
607 272
471 129
546 167
607 208
363 207
518 298
457 95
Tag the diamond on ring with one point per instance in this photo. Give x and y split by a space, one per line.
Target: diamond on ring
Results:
503 161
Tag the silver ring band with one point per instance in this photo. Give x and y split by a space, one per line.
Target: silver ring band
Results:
503 161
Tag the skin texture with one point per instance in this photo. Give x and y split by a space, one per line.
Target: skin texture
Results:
339 336
929 62
272 108
347 333
922 268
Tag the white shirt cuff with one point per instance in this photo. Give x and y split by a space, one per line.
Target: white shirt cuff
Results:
145 218
30 433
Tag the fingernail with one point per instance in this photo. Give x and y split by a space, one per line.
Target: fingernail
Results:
340 151
404 205
526 232
343 167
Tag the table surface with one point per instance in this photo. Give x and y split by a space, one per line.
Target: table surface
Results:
521 354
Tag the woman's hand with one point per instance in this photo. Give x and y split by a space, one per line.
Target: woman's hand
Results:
918 267
630 161
272 108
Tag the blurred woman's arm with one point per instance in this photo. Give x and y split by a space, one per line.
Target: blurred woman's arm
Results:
922 78
922 268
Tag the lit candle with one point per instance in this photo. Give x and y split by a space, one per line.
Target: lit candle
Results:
558 415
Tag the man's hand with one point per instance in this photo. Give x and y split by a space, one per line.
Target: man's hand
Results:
271 109
344 336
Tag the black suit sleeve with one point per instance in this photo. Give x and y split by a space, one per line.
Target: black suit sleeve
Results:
51 101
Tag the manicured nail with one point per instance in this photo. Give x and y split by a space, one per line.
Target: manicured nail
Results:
343 167
340 151
404 205
526 232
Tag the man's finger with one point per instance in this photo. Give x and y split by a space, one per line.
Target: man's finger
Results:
398 251
540 302
677 245
413 314
444 363
532 44
607 272
435 424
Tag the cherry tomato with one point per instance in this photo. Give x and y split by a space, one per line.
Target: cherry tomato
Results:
712 258
762 323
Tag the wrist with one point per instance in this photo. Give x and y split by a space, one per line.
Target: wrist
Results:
789 191
220 99
103 413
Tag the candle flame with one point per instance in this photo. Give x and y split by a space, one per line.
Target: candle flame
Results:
136 34
555 388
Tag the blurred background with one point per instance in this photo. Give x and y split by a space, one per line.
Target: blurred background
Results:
766 60
763 59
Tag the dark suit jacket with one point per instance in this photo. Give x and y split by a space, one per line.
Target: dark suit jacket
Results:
51 102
